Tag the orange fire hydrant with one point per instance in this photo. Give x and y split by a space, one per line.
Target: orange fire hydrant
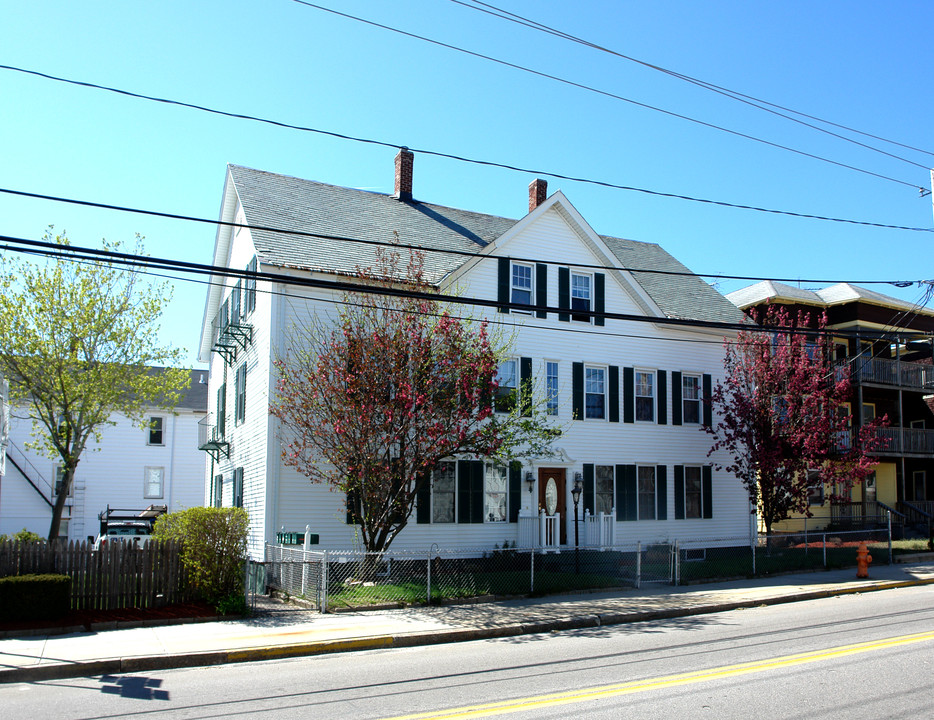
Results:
863 558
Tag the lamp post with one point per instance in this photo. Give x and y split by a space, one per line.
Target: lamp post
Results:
576 495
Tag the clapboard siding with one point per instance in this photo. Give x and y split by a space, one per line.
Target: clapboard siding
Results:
280 498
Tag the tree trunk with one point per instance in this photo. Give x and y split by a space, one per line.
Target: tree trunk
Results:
59 507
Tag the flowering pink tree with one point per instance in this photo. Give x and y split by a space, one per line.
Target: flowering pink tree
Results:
781 414
372 401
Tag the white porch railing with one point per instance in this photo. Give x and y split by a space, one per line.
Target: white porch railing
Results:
599 529
550 530
540 531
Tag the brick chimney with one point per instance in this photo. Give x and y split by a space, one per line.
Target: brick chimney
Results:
538 191
404 161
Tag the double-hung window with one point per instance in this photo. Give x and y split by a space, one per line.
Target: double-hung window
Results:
691 398
646 485
495 489
645 396
603 490
507 377
521 291
581 296
693 492
235 293
240 408
156 431
154 481
443 488
217 491
551 387
594 393
815 488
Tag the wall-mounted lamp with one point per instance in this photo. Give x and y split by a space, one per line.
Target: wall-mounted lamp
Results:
530 480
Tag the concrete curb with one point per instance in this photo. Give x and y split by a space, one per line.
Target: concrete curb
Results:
56 671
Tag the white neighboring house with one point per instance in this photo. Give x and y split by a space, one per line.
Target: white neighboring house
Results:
4 423
130 468
636 388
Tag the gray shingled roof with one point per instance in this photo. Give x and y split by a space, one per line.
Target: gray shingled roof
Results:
281 201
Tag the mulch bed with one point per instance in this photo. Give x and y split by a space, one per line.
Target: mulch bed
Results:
88 618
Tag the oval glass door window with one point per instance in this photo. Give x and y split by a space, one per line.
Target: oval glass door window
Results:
551 496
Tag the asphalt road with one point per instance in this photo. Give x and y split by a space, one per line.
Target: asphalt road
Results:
855 656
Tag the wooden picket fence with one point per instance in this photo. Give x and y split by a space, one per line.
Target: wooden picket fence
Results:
121 575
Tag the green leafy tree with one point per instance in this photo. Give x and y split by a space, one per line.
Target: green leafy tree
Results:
77 344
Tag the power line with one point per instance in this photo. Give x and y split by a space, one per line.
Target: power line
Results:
750 100
460 158
605 93
407 246
50 249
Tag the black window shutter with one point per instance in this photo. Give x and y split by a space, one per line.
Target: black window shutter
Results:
614 393
423 501
564 293
588 488
502 296
626 494
463 491
679 492
599 297
708 410
675 398
661 492
476 491
662 397
541 289
707 484
577 382
353 508
525 385
629 395
515 493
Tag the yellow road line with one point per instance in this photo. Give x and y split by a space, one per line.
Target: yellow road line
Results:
606 691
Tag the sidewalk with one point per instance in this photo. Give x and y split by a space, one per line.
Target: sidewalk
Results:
277 630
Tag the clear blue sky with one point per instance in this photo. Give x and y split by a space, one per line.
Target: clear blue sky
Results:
861 64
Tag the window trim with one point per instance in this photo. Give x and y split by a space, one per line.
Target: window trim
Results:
502 403
653 398
237 499
487 468
590 296
700 492
452 491
605 394
513 288
552 395
146 484
654 503
699 400
818 485
160 430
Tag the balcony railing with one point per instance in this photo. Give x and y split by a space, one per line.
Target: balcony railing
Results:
883 371
903 441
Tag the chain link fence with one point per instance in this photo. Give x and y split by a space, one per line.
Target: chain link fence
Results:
332 579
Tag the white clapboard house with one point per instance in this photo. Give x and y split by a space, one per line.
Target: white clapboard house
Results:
629 393
131 467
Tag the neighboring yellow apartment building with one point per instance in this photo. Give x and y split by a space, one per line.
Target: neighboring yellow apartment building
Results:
886 345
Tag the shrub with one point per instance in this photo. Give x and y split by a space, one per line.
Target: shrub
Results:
213 547
34 597
23 536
